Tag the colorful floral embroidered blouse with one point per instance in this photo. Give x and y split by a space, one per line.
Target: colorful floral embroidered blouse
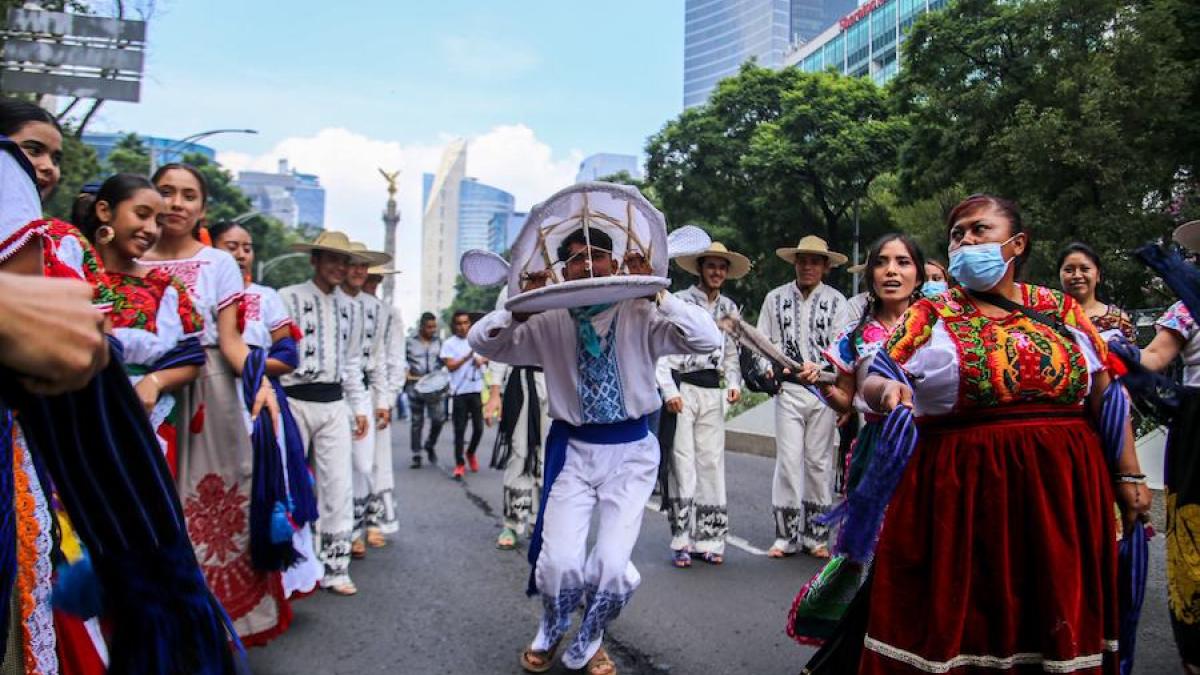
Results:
1114 322
67 253
1179 319
151 314
960 359
852 353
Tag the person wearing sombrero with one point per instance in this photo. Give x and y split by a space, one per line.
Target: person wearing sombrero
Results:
329 376
380 518
1179 336
803 318
696 389
368 312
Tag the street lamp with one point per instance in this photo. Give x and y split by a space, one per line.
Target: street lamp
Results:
156 153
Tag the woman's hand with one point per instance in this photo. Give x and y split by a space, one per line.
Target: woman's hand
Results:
1134 500
895 394
148 391
265 398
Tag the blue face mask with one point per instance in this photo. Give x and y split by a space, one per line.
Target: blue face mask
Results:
981 266
932 289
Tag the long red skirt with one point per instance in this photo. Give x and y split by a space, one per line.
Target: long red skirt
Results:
999 552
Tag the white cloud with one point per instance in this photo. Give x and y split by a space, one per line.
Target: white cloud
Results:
509 157
486 57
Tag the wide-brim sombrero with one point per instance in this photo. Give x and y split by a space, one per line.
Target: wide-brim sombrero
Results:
812 245
739 265
332 241
1187 235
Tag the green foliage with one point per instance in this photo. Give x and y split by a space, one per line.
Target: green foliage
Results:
772 157
79 165
470 298
129 155
1083 111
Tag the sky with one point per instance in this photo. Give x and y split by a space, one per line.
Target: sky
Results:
341 89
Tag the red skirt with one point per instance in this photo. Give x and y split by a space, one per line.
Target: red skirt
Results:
999 552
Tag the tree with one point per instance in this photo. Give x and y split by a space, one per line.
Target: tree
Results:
79 165
1080 110
470 298
129 155
773 156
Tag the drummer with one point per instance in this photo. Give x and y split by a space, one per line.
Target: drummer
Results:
599 366
426 386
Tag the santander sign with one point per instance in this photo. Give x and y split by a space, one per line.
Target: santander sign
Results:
859 14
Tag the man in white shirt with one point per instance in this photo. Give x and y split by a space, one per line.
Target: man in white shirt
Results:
329 376
368 314
599 367
696 390
466 392
803 318
380 517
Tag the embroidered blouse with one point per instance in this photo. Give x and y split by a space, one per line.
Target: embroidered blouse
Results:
851 354
151 314
1114 322
1178 319
213 281
67 253
959 359
260 313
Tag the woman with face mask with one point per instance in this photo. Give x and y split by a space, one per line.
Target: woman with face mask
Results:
1080 273
937 279
1001 526
215 458
895 271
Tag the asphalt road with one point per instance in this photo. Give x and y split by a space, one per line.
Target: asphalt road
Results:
442 599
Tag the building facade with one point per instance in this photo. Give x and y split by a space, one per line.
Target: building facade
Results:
503 230
162 150
721 35
479 204
295 199
603 164
865 42
439 228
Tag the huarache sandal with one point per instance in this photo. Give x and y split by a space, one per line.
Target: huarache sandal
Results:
507 540
776 552
376 539
347 589
358 549
712 558
681 558
820 552
600 664
538 661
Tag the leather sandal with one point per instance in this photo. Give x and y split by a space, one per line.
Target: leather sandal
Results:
376 539
712 558
358 549
779 553
538 661
819 552
345 590
680 558
600 664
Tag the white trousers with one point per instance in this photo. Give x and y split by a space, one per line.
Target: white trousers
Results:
325 428
697 509
363 464
806 439
614 482
381 502
522 490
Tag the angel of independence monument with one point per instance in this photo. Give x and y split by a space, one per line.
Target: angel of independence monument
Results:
391 218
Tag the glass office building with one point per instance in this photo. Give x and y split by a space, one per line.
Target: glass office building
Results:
478 205
293 198
864 42
163 150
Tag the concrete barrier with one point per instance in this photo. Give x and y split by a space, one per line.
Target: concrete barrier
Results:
753 432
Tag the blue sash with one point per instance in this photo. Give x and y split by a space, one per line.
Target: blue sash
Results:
626 431
270 530
300 484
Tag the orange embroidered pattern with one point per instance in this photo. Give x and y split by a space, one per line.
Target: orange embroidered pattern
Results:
27 552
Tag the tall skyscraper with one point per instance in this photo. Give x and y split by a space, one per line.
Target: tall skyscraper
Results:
459 214
603 164
721 35
295 199
439 228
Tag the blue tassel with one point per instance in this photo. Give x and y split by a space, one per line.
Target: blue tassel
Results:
281 525
77 589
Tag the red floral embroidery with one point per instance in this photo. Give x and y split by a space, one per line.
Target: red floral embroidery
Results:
188 271
138 298
216 517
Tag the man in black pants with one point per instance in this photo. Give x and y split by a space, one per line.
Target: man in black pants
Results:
466 388
423 353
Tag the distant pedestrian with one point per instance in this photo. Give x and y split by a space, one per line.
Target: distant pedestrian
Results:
466 392
1081 275
426 385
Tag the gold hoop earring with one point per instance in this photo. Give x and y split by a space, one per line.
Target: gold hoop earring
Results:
105 234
